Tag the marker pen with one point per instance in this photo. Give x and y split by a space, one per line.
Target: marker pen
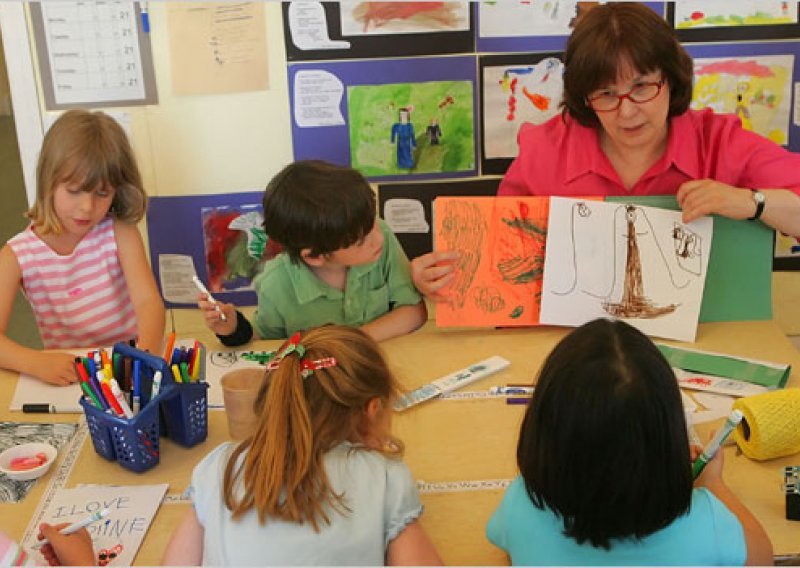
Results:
75 527
719 438
511 390
156 385
204 290
136 397
111 399
47 408
120 398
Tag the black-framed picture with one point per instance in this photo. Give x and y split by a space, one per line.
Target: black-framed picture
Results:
734 21
516 89
359 30
787 253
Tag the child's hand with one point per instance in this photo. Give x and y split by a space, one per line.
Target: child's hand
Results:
432 272
55 368
212 312
66 550
712 472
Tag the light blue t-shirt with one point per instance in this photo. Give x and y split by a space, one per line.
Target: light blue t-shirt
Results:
380 493
709 534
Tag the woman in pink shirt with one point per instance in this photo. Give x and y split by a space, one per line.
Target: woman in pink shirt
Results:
626 129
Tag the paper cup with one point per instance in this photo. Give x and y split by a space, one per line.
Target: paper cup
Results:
239 390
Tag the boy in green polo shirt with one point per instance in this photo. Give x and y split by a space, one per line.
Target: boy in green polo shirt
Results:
340 264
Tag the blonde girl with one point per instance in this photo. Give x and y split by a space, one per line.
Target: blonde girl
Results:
81 262
320 480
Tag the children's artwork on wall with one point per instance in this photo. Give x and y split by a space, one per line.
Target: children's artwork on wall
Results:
350 30
117 537
730 13
401 128
395 119
498 277
787 252
384 18
726 20
752 80
517 27
756 89
15 433
234 242
515 19
636 263
517 89
220 237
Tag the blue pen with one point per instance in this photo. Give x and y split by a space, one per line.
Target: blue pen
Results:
145 17
176 356
137 387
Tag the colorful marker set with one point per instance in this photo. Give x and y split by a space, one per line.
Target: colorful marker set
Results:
116 384
185 364
126 421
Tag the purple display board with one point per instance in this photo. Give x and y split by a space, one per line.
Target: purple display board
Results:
325 127
197 226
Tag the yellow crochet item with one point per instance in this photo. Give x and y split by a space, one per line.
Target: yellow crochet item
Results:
771 424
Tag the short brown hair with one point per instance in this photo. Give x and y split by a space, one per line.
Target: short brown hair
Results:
91 149
615 32
316 205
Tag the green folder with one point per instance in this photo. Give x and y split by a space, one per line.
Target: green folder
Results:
739 278
772 375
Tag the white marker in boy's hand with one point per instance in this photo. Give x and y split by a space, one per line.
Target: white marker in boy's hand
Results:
204 290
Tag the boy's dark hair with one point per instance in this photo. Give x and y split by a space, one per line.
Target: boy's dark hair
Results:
315 205
604 443
608 34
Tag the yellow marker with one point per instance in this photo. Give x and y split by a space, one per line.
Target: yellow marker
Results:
176 373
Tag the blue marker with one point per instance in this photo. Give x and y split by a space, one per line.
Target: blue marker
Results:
136 398
145 18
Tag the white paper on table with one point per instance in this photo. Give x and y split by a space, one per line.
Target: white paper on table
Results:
132 509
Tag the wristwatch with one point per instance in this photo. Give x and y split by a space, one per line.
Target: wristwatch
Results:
759 200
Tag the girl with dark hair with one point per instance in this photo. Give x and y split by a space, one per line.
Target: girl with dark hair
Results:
606 467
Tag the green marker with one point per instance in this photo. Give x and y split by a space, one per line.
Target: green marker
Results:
713 446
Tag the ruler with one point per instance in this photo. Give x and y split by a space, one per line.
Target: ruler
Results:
59 478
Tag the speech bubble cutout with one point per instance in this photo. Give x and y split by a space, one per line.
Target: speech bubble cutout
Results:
405 216
317 97
309 27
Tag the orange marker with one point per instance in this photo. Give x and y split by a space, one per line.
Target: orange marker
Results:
170 346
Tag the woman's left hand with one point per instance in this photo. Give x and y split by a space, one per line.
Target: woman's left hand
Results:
706 196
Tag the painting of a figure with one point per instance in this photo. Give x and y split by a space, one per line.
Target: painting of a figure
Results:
757 89
388 132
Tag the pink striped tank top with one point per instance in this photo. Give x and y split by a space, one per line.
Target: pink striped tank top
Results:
81 299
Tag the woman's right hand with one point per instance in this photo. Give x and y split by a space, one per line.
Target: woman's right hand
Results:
213 315
432 272
55 368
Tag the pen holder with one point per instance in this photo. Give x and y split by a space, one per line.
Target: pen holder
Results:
185 414
133 443
179 411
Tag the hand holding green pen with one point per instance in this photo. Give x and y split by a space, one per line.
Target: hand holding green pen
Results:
716 442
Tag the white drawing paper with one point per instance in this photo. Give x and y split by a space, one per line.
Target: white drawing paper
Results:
639 264
520 19
116 538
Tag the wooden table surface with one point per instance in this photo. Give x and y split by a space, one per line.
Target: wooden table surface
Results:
446 440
